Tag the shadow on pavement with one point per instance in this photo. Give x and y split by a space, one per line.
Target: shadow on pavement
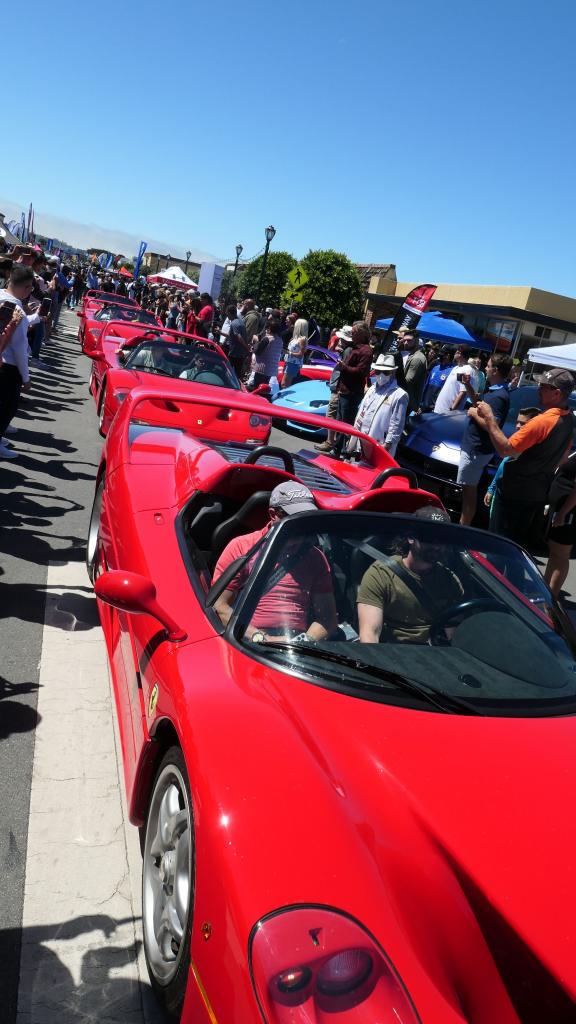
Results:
50 993
14 716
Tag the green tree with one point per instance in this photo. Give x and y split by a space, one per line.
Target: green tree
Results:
333 294
278 266
228 288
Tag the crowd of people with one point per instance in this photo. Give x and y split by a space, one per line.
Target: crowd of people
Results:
371 388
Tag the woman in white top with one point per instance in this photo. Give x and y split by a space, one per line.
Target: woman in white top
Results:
296 349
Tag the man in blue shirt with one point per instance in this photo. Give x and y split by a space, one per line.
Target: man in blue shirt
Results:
477 449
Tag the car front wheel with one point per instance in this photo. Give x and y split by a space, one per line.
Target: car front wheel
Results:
167 882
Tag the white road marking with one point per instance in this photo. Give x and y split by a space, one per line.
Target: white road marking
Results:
81 946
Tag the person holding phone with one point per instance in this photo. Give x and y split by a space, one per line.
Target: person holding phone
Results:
477 449
10 317
14 374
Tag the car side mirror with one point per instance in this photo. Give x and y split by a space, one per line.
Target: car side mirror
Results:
130 592
94 353
81 315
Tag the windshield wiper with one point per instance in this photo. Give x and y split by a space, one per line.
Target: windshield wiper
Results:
443 701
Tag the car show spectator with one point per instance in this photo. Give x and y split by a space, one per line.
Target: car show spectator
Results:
267 353
562 533
476 449
415 367
14 373
436 379
205 317
301 603
295 356
454 390
535 452
237 346
383 409
252 320
354 368
523 416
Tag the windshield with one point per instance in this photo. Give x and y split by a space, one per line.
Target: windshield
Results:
195 363
128 313
404 610
121 300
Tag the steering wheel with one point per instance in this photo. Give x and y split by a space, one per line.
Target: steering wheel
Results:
270 449
462 609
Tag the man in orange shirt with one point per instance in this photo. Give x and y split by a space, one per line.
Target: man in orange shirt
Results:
534 453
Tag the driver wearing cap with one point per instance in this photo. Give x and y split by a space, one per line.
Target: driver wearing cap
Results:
300 604
400 597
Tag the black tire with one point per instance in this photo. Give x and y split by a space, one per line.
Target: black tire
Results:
93 539
164 872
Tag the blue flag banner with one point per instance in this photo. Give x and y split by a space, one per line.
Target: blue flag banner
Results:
22 232
102 259
141 251
109 261
49 245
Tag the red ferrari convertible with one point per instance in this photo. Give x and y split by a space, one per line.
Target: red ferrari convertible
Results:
193 365
113 320
334 829
94 304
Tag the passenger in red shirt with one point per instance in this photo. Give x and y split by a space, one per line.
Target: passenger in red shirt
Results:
300 605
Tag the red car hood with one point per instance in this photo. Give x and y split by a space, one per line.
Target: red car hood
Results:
415 808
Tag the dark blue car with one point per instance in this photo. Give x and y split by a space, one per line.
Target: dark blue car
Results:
431 445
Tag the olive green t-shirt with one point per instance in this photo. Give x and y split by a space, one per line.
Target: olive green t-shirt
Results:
405 619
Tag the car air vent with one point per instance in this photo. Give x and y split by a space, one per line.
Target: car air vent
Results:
313 476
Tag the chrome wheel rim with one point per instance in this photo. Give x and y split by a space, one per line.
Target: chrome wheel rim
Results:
102 408
93 531
166 875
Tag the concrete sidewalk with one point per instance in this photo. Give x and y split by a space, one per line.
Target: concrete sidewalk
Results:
81 944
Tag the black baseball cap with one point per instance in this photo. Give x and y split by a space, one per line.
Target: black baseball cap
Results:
557 378
433 513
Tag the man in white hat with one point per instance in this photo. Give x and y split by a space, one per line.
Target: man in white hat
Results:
382 411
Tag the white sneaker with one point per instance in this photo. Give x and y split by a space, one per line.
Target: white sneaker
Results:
7 444
7 453
10 429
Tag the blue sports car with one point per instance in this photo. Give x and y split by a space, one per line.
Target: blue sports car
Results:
431 445
308 396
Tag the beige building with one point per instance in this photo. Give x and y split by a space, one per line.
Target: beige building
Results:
152 262
513 318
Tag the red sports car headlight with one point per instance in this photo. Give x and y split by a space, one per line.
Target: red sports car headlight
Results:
311 964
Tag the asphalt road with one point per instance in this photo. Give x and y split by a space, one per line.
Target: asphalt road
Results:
45 500
45 497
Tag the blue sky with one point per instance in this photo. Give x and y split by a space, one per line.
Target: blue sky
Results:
437 136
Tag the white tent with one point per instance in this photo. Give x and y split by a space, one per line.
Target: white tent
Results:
563 356
174 276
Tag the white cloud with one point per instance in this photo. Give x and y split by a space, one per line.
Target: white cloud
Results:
86 236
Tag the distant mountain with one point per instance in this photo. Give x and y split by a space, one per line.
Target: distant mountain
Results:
88 236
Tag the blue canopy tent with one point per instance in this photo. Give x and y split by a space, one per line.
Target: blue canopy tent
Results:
440 328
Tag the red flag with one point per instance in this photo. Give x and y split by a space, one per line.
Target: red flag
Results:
407 317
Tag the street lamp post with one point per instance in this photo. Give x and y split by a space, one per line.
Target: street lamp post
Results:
168 258
188 255
158 263
270 232
239 250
